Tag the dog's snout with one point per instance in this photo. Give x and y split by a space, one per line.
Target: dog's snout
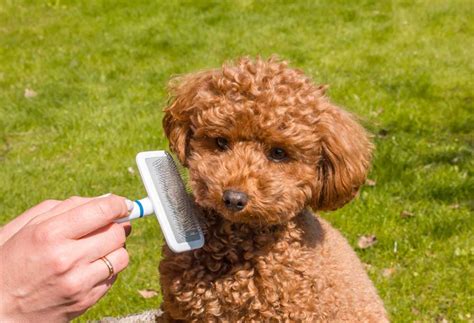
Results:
235 200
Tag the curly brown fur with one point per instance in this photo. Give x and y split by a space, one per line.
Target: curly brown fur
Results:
272 260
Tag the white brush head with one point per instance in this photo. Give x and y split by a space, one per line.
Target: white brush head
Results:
173 206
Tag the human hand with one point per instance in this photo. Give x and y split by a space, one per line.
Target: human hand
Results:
50 257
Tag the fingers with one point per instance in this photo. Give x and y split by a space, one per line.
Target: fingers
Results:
43 207
20 221
101 289
92 297
101 242
66 205
127 226
88 217
98 281
98 272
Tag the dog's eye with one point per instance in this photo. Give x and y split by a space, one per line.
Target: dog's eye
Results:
278 154
222 143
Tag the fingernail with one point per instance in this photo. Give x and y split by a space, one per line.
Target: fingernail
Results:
129 205
105 195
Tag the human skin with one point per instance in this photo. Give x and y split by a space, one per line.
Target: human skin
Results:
50 268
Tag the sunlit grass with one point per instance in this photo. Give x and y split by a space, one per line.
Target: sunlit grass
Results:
100 68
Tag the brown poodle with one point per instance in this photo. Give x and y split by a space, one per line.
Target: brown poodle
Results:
263 144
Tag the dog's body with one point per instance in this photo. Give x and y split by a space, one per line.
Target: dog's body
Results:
303 271
263 144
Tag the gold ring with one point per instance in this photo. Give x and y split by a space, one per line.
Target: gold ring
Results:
109 266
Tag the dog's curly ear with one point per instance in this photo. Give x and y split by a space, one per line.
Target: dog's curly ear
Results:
177 122
345 154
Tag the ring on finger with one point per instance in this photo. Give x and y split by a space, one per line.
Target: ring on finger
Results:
109 266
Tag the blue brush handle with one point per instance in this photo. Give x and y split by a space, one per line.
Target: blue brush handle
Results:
141 208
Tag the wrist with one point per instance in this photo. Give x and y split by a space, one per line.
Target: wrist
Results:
2 236
8 307
6 313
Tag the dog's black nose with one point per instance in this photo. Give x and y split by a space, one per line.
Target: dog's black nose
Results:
235 200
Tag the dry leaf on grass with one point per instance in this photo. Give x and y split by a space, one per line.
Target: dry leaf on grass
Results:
377 112
406 214
370 182
383 133
454 206
366 241
388 272
131 170
367 267
29 93
147 293
441 319
415 311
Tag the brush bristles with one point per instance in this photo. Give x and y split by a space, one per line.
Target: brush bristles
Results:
179 209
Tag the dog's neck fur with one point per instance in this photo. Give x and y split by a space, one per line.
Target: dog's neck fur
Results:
213 220
222 234
213 216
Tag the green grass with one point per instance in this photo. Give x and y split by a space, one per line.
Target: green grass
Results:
100 69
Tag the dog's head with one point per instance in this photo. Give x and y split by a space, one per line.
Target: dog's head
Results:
262 142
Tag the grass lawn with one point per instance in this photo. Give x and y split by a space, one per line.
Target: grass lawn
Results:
95 72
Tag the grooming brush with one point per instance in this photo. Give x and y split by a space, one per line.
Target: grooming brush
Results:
168 199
